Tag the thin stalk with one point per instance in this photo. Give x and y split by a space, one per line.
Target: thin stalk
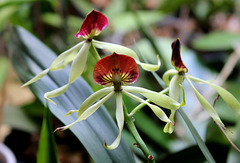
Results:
94 52
140 143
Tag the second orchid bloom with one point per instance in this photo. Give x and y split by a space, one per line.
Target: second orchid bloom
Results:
92 26
179 74
113 71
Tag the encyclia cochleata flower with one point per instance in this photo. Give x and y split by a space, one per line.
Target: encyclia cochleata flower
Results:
111 72
180 74
92 26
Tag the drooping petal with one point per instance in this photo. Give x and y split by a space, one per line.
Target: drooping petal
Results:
205 104
226 96
126 51
88 111
92 25
107 66
120 122
157 110
176 56
37 77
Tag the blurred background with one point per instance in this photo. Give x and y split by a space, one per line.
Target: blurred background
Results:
210 34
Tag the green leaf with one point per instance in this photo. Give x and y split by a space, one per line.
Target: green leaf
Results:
197 137
47 148
28 56
220 40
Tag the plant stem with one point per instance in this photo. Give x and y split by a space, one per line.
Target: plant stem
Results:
94 52
140 143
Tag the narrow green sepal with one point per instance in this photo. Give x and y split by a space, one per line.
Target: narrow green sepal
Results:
37 77
79 63
70 112
156 97
115 48
60 61
126 51
89 111
205 104
150 67
157 110
93 98
55 93
231 101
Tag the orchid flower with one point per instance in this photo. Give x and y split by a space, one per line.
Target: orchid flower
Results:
179 74
111 72
92 26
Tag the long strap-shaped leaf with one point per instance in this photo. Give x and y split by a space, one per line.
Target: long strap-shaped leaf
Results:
29 57
47 147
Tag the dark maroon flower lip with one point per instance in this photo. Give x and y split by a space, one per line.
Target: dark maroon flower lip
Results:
116 68
176 57
92 25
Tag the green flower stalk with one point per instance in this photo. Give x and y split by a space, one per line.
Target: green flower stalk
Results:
111 72
92 26
179 74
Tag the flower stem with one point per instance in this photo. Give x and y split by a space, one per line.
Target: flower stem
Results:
140 143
